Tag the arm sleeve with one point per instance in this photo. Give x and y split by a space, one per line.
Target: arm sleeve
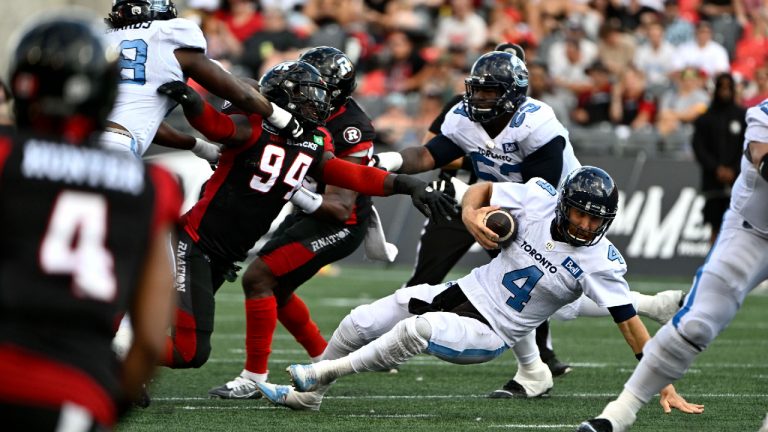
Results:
622 313
213 124
443 150
363 179
546 162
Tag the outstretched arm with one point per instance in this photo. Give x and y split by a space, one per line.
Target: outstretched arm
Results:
168 136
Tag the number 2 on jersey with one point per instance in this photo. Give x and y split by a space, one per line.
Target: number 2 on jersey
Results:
521 294
271 163
75 244
133 58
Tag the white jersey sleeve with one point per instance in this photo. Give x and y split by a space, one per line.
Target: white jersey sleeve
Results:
184 34
750 191
530 201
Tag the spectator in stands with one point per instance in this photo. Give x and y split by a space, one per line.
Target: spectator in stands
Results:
655 57
541 86
631 104
718 141
276 40
463 26
759 90
395 127
6 118
507 24
569 58
401 68
594 102
726 17
751 49
241 18
682 106
616 49
221 43
702 53
679 28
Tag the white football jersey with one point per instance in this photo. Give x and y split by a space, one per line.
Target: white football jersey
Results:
750 192
536 275
147 61
498 159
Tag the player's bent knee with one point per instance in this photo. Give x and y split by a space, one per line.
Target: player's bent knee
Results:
258 280
698 332
423 328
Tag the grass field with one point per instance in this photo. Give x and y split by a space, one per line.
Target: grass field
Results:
731 378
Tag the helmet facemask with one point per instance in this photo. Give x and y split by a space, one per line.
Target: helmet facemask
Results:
308 100
501 73
580 236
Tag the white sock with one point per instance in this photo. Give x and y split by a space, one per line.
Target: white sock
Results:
316 359
526 351
255 377
642 302
623 411
329 370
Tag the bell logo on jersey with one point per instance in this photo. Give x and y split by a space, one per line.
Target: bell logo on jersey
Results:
572 267
352 135
510 147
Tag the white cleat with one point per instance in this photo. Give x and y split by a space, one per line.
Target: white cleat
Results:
764 428
287 396
304 377
529 384
238 388
664 305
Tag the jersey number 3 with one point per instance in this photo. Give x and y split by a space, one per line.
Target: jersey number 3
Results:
521 293
75 244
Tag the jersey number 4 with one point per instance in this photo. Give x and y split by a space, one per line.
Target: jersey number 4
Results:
75 244
271 163
521 293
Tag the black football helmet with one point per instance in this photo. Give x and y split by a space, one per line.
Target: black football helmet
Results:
127 12
63 76
337 70
298 88
501 72
592 191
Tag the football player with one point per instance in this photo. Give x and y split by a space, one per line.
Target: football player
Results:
737 263
84 233
559 252
507 137
259 171
331 223
157 47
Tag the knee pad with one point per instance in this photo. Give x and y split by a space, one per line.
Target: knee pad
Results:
669 354
423 328
698 332
413 334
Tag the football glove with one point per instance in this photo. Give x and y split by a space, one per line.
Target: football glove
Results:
285 122
184 95
430 202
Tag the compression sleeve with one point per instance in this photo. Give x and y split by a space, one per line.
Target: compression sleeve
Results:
622 313
213 124
443 150
546 162
363 179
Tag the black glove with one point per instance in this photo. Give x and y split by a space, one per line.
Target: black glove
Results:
444 185
430 202
184 95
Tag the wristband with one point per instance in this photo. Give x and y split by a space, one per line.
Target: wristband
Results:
279 117
206 150
307 200
762 167
460 187
390 161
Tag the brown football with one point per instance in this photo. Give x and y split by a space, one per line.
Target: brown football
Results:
501 222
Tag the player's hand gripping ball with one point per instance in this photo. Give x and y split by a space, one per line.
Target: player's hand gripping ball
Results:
503 224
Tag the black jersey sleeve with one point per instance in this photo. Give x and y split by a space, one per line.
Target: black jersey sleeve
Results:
546 162
437 123
443 150
352 129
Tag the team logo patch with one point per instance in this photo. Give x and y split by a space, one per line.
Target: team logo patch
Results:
352 135
572 267
318 140
510 147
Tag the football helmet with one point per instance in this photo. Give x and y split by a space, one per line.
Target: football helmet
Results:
127 12
63 76
592 191
502 74
298 88
338 72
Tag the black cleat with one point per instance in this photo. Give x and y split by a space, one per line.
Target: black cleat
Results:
512 389
144 400
558 368
595 425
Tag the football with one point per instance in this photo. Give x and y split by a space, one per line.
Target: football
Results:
502 223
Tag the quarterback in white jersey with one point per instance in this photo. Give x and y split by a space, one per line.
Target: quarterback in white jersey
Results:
156 48
737 263
557 253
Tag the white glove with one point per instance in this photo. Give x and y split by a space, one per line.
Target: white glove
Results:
205 150
306 200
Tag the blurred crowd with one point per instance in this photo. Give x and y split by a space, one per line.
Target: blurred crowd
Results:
621 74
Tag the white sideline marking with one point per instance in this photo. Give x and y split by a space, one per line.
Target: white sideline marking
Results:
483 396
222 408
517 426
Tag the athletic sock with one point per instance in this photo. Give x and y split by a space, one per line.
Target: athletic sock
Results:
294 316
260 324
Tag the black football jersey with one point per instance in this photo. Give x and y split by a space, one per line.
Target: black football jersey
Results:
352 132
75 225
250 186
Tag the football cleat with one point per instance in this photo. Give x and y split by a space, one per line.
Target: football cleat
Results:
665 305
512 389
144 399
595 425
238 388
304 377
557 367
287 396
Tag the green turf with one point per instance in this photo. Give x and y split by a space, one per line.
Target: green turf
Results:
731 378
